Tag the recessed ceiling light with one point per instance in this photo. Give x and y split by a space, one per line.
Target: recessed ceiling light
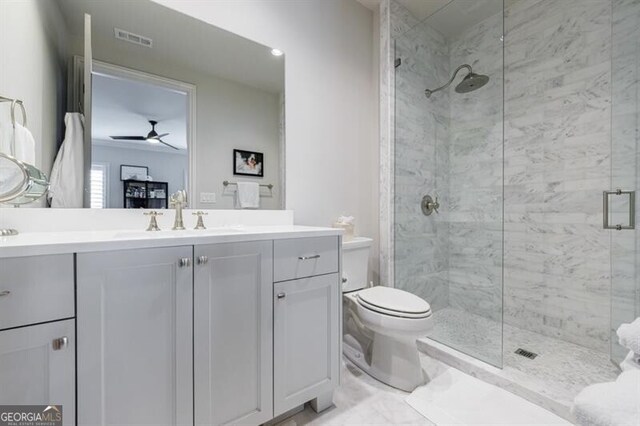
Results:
277 52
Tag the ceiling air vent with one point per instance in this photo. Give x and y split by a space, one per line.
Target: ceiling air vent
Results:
133 38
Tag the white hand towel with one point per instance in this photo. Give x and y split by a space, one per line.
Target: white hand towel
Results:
631 362
67 175
629 336
248 195
18 142
610 404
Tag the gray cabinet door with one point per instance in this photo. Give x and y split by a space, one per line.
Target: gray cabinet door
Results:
134 313
34 369
233 347
306 340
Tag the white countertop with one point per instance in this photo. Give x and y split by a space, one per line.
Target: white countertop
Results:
42 243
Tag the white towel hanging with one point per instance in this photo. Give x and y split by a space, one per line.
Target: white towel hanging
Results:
248 195
67 175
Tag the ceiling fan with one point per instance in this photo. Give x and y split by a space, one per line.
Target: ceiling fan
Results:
152 136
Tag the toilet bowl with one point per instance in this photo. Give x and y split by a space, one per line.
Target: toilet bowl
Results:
381 324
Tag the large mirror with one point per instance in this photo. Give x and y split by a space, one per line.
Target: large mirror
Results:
130 101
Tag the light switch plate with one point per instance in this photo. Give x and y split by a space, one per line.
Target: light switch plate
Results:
208 197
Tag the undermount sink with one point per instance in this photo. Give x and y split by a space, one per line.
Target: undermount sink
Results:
183 233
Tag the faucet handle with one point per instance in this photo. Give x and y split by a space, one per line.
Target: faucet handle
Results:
200 224
153 223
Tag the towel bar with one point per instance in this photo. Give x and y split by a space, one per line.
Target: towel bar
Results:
227 183
15 102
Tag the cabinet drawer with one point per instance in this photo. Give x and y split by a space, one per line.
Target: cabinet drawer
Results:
36 289
304 257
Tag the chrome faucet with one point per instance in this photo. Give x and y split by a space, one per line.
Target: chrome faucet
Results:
153 223
200 224
178 200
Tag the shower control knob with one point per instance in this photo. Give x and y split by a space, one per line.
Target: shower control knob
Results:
429 205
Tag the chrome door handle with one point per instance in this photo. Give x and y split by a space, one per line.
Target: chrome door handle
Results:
59 343
4 293
184 262
202 260
632 210
315 256
282 295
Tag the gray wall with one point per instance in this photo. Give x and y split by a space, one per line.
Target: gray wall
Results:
163 167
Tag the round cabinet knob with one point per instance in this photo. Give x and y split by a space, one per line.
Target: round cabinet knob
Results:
202 260
184 262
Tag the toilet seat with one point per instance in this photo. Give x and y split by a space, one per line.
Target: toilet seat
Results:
393 302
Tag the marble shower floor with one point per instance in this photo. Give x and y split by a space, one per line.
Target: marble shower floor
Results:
552 379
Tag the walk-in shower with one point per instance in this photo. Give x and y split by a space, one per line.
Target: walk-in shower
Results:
516 264
469 83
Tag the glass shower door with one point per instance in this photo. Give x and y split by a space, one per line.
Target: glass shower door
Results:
449 144
620 206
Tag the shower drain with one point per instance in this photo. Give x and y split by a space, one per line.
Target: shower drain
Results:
525 353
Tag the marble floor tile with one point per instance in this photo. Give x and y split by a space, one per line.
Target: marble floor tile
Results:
361 400
552 379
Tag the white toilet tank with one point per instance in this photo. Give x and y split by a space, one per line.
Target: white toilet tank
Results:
355 263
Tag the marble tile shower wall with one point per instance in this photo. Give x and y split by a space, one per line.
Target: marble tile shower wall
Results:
557 94
557 162
421 140
475 174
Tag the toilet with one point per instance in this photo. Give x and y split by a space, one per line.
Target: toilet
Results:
381 324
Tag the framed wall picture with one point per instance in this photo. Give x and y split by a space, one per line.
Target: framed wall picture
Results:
128 172
248 163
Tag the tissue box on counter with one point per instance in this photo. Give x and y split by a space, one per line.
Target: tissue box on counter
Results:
348 224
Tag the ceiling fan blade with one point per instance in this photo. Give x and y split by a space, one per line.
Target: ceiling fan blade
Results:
169 145
128 138
163 135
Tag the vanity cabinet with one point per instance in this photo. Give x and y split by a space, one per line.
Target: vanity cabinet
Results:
37 366
206 334
135 337
306 341
233 332
37 332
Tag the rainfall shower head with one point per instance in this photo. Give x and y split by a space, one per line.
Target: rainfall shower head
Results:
469 83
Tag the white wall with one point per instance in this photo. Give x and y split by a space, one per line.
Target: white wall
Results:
163 167
234 116
331 113
32 69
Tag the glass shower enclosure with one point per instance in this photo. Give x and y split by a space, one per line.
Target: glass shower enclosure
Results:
533 245
449 146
